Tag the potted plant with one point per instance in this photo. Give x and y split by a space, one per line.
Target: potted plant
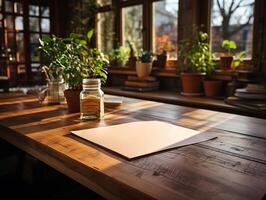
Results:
76 61
80 62
162 59
227 58
196 59
132 58
144 64
164 46
119 56
212 88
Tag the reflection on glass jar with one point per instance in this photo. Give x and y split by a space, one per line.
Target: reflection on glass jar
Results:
53 93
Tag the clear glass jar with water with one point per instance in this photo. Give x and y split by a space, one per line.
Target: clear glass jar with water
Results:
91 100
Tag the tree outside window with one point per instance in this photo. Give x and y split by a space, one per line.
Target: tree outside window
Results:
165 27
233 20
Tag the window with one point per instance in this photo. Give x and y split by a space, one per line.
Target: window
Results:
39 26
104 2
105 30
22 26
133 26
165 27
150 25
232 20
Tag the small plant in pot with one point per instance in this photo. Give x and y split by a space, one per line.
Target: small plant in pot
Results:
196 60
119 56
212 88
227 58
144 64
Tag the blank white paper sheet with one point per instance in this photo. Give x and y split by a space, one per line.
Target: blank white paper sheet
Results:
141 138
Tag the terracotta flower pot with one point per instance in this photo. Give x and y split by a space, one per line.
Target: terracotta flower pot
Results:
213 88
192 83
143 69
72 99
225 62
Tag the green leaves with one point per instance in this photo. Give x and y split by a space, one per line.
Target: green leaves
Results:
229 44
238 59
195 54
120 55
145 56
72 59
90 34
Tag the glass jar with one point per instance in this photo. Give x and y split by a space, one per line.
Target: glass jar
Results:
91 100
53 96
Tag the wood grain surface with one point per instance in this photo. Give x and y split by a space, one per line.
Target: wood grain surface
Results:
233 166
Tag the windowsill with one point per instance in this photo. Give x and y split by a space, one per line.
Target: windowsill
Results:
224 75
173 97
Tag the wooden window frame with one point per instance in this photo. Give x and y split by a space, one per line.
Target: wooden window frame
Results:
147 18
26 31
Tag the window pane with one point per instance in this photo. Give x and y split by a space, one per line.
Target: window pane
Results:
34 10
21 69
35 67
165 27
8 6
18 8
34 24
132 26
11 41
35 54
9 22
45 11
104 2
20 47
106 31
1 5
238 27
19 23
45 25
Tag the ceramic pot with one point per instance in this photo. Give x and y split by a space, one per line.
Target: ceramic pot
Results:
225 62
143 69
72 99
192 83
213 88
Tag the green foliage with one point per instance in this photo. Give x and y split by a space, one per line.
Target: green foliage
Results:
74 60
229 45
195 54
83 15
238 59
145 56
120 55
52 47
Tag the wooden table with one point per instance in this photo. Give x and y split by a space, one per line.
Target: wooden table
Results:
233 166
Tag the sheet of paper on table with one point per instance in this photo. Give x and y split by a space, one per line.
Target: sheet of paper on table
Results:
141 138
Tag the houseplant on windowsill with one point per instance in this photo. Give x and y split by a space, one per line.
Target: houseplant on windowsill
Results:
164 46
196 60
227 58
212 87
119 56
144 64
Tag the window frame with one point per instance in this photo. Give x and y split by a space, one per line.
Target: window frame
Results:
147 15
28 62
207 23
